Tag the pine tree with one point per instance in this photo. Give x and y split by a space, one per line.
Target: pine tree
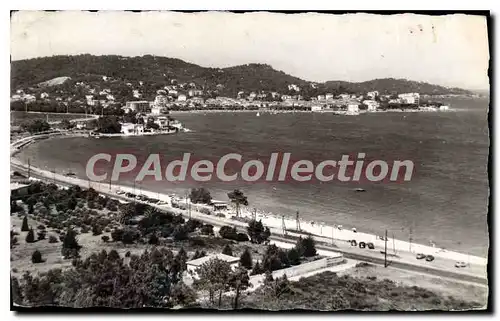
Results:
227 250
309 246
70 246
257 269
30 238
293 256
25 227
246 259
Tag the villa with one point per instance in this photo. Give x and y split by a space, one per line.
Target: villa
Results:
132 129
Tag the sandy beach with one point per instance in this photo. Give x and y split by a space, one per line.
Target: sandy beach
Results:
318 229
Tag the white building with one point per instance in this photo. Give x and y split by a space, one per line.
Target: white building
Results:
444 108
162 122
194 265
132 129
371 105
352 109
321 97
181 97
328 96
293 87
140 105
44 95
410 98
372 94
316 108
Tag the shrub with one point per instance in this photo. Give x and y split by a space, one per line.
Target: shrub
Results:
117 235
36 257
52 239
41 235
41 227
293 256
207 229
227 250
127 254
30 237
180 233
129 236
153 239
196 241
105 238
242 237
96 230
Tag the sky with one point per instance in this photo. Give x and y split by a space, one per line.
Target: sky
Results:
449 50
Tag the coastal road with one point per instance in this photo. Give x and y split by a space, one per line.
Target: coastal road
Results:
407 261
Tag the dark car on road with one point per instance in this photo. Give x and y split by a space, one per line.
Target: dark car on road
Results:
429 258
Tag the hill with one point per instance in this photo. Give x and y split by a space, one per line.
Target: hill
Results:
158 71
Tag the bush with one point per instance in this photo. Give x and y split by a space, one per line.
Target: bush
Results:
96 230
227 250
127 254
117 235
180 233
36 257
242 237
153 239
41 235
207 229
129 236
52 239
105 238
41 227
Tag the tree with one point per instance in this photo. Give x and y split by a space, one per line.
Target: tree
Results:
214 276
35 126
227 250
153 239
293 256
257 269
25 227
207 229
70 246
36 257
66 124
200 195
246 259
238 198
105 238
30 237
258 232
306 247
239 281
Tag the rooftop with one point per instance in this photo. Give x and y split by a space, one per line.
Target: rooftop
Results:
223 257
16 186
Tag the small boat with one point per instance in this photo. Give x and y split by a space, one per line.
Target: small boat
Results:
359 190
258 114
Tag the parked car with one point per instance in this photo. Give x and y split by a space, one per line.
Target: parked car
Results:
429 258
460 264
370 245
120 192
354 243
420 256
362 245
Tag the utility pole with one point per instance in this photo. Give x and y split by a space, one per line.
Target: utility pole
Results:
29 168
54 175
411 239
110 182
283 224
297 221
333 228
393 244
385 251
